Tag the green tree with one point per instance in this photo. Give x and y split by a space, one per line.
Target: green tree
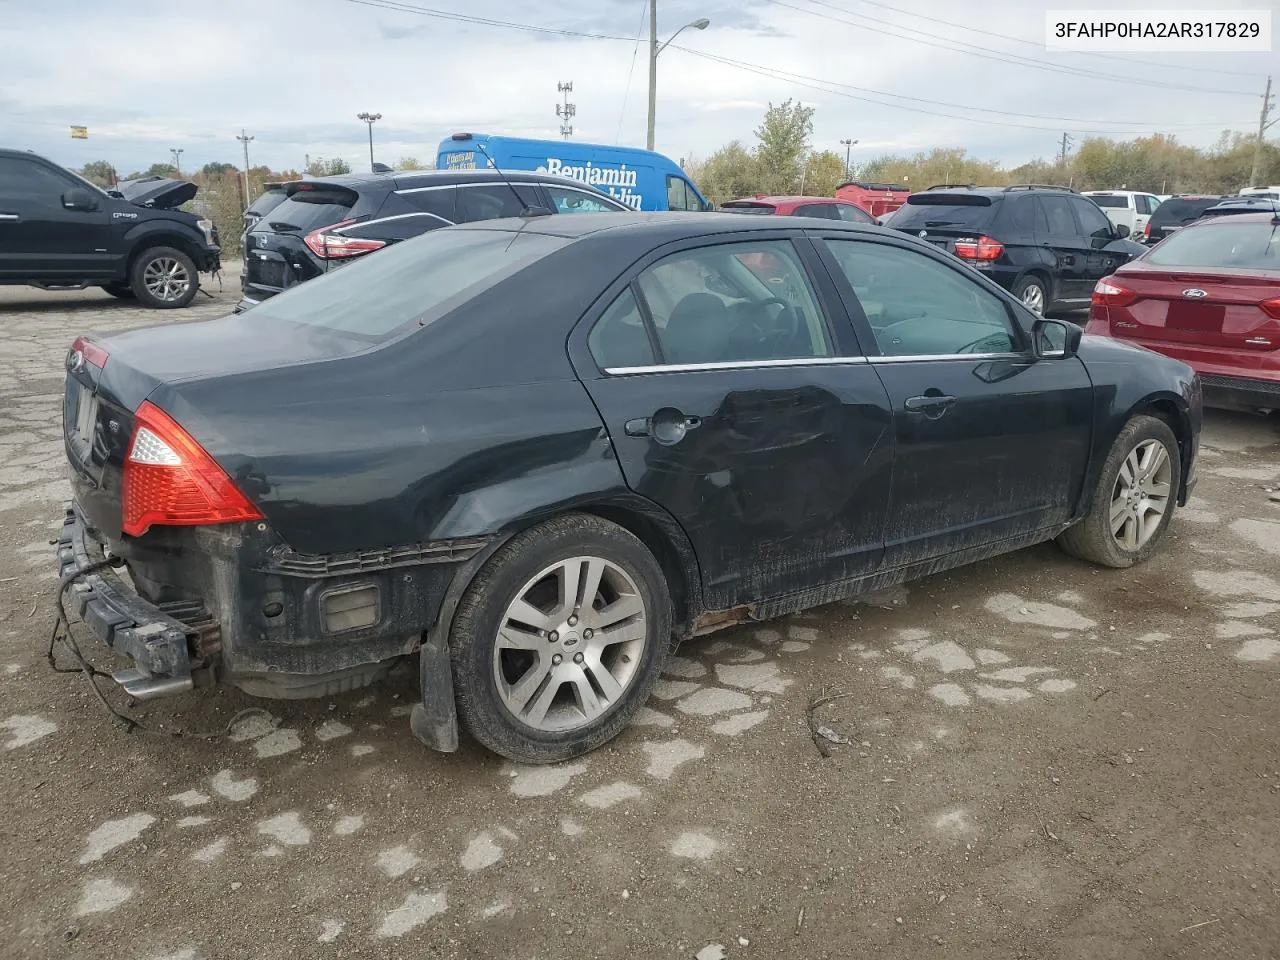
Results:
727 174
99 172
321 167
214 169
784 142
408 163
823 172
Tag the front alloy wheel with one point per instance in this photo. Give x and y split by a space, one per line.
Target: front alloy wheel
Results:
1141 494
164 278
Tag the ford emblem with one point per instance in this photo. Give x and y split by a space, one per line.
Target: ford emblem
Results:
1195 293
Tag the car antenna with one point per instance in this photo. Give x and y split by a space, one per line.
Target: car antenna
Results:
526 209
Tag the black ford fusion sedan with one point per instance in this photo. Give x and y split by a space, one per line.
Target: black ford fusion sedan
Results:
535 452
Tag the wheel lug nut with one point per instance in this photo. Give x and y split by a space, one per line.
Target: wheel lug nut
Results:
555 660
587 634
577 658
573 621
553 636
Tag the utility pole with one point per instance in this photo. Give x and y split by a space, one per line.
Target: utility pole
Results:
370 119
1062 157
653 71
848 145
566 111
176 153
1267 104
244 141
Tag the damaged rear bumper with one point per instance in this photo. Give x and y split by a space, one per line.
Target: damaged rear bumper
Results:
124 621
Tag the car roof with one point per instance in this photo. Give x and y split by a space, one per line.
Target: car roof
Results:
1262 216
662 227
409 179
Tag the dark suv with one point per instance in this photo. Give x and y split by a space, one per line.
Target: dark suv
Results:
58 231
1047 245
325 222
1176 212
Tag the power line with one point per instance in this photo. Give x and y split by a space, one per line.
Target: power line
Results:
802 81
626 93
986 53
1040 46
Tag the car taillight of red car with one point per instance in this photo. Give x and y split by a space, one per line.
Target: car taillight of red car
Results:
170 480
327 244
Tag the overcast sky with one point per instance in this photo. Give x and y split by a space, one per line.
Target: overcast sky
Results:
148 75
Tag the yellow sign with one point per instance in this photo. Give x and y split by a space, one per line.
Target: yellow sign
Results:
79 133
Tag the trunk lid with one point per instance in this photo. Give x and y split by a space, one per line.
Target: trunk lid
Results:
100 399
1201 306
942 218
159 193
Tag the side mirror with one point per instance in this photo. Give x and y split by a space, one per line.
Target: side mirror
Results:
79 199
1055 339
1120 233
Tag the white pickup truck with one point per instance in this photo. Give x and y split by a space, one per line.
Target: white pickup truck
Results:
1126 208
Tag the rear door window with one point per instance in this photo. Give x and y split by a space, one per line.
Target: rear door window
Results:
492 201
571 200
437 201
851 214
1058 216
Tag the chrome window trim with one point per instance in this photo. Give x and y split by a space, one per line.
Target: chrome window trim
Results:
453 186
910 358
397 216
734 365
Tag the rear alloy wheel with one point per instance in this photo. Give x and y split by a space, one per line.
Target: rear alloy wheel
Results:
120 290
164 278
559 639
1030 290
1134 500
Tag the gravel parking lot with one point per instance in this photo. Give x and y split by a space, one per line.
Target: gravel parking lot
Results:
1044 760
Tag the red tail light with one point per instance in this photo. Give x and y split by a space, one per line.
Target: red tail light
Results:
1146 230
1271 308
169 479
92 352
1108 293
327 245
984 248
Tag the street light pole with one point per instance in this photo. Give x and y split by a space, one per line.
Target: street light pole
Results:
370 119
848 145
654 49
244 140
176 153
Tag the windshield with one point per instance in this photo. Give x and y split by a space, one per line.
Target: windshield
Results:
1113 202
1252 246
925 211
418 280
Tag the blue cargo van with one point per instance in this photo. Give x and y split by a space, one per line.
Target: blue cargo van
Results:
641 179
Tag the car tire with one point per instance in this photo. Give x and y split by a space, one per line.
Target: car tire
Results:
551 690
120 290
1034 295
1123 527
164 278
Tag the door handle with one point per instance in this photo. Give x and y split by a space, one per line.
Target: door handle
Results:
9 216
666 426
931 406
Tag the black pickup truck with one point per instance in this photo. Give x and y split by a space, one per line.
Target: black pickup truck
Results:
58 231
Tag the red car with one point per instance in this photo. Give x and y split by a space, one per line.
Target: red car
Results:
1209 295
826 208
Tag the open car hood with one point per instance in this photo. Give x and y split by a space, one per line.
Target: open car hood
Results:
158 192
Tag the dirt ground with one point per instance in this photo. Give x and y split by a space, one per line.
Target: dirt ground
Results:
1046 761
